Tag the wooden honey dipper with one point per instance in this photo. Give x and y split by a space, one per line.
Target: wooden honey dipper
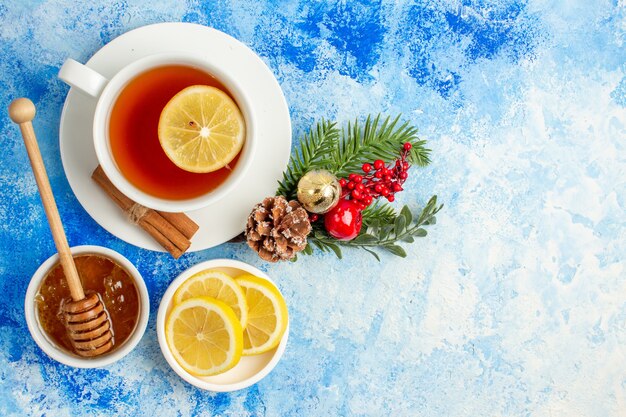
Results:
86 319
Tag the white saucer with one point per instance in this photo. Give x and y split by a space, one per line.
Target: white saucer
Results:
224 219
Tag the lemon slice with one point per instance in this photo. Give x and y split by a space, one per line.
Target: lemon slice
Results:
201 129
267 315
218 285
204 336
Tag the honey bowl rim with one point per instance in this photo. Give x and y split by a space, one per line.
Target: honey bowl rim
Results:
58 353
197 381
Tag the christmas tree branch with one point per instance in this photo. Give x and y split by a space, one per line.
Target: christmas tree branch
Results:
343 152
376 140
378 213
314 151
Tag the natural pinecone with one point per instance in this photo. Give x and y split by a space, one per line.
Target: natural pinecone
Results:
277 229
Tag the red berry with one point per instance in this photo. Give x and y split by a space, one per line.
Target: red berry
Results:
366 168
360 187
405 166
386 178
357 179
351 177
397 187
379 163
387 171
344 221
368 200
403 175
407 146
350 185
313 217
356 195
390 198
385 192
378 174
343 182
378 188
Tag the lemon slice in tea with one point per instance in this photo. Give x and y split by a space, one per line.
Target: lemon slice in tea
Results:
201 129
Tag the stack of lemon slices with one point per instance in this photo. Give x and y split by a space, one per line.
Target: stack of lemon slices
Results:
217 318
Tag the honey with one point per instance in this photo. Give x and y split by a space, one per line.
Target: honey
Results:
134 139
97 274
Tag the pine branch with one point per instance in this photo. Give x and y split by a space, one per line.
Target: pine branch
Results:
323 148
376 140
313 153
378 213
420 154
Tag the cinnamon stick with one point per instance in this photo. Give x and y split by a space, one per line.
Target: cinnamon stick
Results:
182 222
172 231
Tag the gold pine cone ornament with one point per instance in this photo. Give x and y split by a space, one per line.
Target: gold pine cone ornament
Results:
319 191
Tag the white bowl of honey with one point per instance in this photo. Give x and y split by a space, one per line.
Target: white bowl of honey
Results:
104 271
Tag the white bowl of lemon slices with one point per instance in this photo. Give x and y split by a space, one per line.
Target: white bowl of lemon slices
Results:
222 325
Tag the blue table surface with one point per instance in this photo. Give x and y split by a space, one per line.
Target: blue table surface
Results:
515 303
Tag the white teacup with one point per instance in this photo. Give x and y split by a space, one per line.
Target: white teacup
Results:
107 91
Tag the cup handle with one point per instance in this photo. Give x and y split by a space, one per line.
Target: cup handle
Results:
82 77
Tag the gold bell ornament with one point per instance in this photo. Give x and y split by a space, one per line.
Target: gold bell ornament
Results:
319 191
